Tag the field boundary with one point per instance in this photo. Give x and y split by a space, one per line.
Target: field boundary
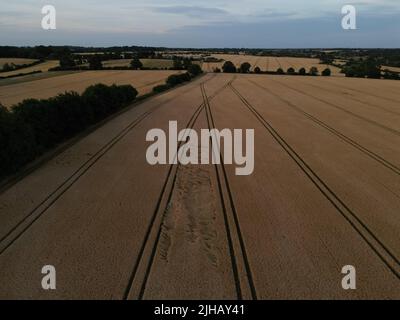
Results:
8 182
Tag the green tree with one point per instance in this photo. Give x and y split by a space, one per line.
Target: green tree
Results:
177 64
327 72
280 71
302 72
313 71
291 71
229 67
373 71
8 67
195 70
257 70
67 62
186 62
136 63
245 67
95 62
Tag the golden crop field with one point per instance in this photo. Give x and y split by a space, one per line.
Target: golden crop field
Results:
270 63
15 61
43 67
324 194
143 81
394 69
147 63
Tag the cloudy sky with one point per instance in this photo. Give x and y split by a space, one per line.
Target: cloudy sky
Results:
205 23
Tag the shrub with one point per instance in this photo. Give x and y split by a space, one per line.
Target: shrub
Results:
175 79
291 71
136 64
391 75
67 62
245 67
8 67
327 72
95 62
161 88
280 71
302 72
257 70
229 67
194 70
313 71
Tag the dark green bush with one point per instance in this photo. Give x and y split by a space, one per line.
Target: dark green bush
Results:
327 72
161 88
291 71
195 70
245 67
175 79
229 67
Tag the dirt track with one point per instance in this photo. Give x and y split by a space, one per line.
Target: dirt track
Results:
325 193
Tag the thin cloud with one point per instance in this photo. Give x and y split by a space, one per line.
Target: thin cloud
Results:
191 11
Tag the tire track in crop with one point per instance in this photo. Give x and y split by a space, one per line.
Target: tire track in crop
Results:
333 131
378 247
29 219
138 280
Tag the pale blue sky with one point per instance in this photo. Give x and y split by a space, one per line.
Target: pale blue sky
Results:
206 23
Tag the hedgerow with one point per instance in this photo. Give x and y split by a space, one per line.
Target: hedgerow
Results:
34 126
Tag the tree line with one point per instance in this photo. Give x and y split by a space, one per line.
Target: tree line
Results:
193 71
33 126
229 67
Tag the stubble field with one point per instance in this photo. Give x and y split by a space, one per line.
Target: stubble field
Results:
325 193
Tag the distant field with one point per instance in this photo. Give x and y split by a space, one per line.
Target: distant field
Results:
147 63
394 69
35 76
340 62
143 81
45 66
269 63
116 63
15 61
157 63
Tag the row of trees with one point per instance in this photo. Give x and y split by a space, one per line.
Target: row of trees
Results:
95 62
34 126
56 52
245 67
362 69
11 66
173 80
391 75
